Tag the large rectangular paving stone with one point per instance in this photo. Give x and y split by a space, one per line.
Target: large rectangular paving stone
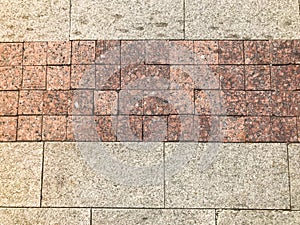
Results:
294 160
108 19
44 216
27 20
156 216
247 217
103 175
20 174
227 176
242 19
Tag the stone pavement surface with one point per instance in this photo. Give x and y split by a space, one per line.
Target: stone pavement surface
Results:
150 132
150 112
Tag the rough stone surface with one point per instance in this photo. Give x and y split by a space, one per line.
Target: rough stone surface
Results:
246 217
127 19
294 157
39 20
20 174
157 217
242 19
45 216
228 176
103 175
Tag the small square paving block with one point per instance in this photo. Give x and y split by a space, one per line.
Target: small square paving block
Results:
283 103
83 76
233 102
108 52
106 127
130 128
108 77
131 102
35 53
133 52
281 51
155 128
206 52
81 102
34 77
106 102
207 102
59 52
83 52
20 177
285 77
8 128
11 54
56 102
284 129
29 128
233 129
181 128
8 102
58 78
259 103
54 128
82 128
31 102
232 77
231 52
258 129
207 128
10 78
257 52
258 77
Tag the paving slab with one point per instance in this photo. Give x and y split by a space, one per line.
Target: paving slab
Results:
44 20
242 19
294 165
228 176
246 217
44 216
20 174
103 175
157 216
127 19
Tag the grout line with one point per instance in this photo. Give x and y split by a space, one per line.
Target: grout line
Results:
216 216
42 175
289 176
150 208
91 216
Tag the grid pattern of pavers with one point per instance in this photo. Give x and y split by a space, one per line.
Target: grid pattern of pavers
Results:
150 132
228 91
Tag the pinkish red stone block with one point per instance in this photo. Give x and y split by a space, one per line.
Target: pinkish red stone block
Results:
54 128
11 54
35 53
206 52
259 103
281 51
83 76
106 102
10 78
258 77
232 77
108 52
233 103
34 77
31 102
59 52
8 103
231 52
257 52
58 78
83 52
130 128
233 129
29 128
8 128
284 129
108 77
258 129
